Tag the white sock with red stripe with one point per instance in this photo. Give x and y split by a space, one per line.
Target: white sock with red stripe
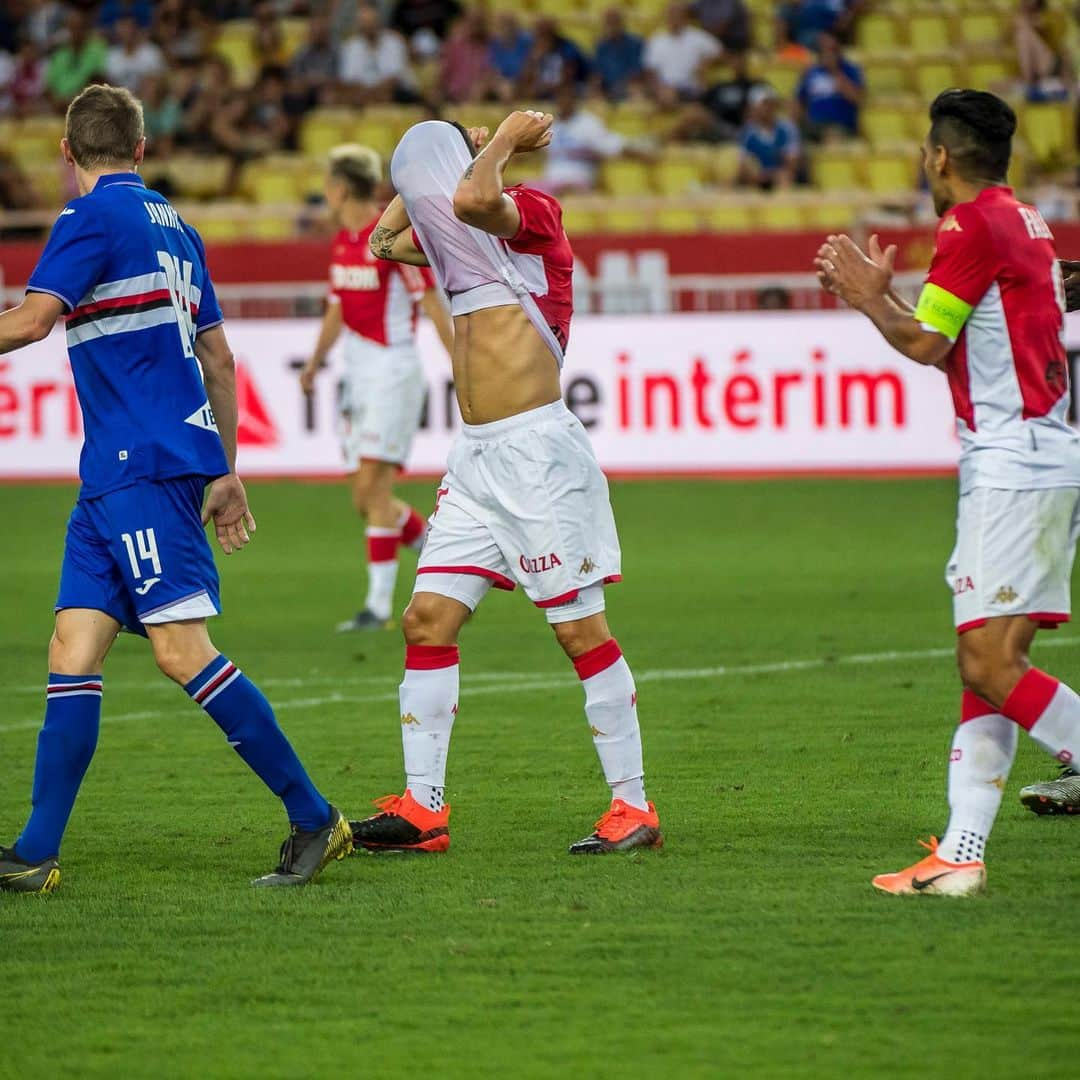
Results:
428 696
382 545
1049 711
611 709
982 754
413 528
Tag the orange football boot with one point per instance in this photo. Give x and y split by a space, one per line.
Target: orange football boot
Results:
934 876
623 827
402 824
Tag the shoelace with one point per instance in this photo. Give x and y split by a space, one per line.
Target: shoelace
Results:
616 812
932 846
285 855
389 804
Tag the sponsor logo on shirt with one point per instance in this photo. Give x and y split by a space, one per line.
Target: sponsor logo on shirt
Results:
358 278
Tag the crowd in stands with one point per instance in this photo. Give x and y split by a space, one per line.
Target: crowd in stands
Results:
690 62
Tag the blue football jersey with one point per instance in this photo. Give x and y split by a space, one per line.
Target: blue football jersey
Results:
134 280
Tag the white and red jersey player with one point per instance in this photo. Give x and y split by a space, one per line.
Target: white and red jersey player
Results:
384 383
994 288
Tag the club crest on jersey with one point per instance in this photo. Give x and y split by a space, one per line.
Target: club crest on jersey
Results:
539 564
203 417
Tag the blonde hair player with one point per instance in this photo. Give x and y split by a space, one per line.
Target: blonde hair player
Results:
376 303
523 501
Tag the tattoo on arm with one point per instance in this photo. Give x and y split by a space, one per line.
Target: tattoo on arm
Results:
382 242
472 165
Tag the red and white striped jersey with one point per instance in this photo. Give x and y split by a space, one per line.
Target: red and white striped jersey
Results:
995 284
378 298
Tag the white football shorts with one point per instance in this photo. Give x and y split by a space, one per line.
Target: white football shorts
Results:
382 402
1014 555
523 502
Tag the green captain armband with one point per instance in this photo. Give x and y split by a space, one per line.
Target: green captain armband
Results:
941 311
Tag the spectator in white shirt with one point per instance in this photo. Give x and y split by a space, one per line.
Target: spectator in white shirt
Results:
133 58
674 57
375 62
579 142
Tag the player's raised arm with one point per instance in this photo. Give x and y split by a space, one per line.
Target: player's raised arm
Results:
227 501
392 236
480 199
30 321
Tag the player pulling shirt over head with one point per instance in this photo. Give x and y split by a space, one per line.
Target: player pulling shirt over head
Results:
155 380
523 501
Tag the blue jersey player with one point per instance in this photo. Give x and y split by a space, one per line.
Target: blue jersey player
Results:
142 319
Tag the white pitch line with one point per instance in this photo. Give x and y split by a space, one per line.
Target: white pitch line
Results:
521 683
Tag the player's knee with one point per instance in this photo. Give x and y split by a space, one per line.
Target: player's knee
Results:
69 654
362 497
989 673
173 660
582 635
427 622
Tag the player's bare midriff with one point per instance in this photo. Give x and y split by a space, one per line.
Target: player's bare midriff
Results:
501 365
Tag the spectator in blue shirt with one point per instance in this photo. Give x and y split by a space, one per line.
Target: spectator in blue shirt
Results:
619 55
830 93
509 51
555 62
770 150
800 22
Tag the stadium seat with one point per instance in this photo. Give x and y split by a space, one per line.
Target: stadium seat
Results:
988 74
197 177
885 123
888 77
323 130
837 170
632 121
724 165
783 77
626 219
890 174
37 140
1049 132
676 176
294 32
676 219
236 44
623 177
878 31
272 186
928 32
779 213
274 227
579 219
933 76
727 215
831 214
982 28
221 227
374 133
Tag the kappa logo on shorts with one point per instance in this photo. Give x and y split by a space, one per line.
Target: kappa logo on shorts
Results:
1006 595
539 564
587 566
408 718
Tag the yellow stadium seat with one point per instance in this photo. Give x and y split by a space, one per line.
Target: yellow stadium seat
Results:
49 184
836 171
1049 132
631 121
831 214
579 219
928 32
888 76
274 227
294 32
676 219
933 76
622 177
375 133
779 213
676 177
236 45
982 28
884 123
763 28
988 74
626 219
273 186
878 31
890 174
729 216
220 228
322 131
724 164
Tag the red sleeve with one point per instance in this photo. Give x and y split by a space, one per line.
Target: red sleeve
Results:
965 260
541 220
416 242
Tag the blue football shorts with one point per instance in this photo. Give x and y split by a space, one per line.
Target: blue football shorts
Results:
141 555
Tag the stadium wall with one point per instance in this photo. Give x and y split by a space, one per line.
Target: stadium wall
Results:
730 393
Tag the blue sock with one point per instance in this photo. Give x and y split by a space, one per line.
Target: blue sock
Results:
240 710
64 749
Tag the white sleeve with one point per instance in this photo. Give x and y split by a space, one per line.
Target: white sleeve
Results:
650 60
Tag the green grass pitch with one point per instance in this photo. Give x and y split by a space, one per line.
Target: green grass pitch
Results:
791 643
